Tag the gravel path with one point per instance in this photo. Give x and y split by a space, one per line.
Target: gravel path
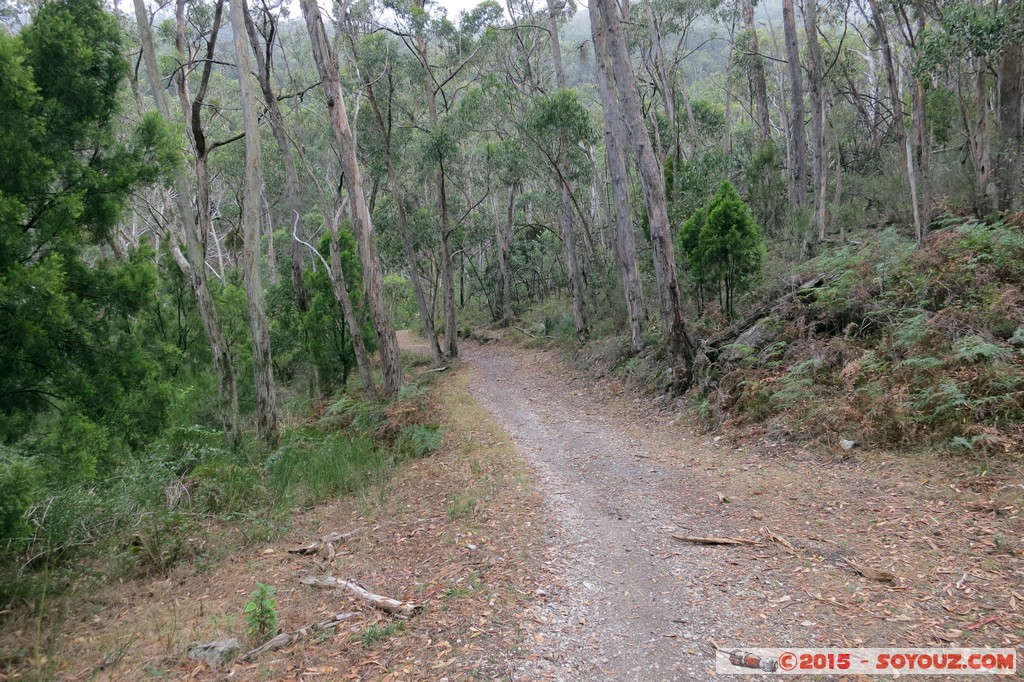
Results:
628 602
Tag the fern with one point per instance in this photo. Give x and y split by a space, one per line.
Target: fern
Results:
976 349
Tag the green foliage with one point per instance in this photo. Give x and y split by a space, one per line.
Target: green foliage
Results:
401 301
722 244
65 315
557 125
375 633
261 613
418 440
19 488
766 187
907 346
317 342
311 466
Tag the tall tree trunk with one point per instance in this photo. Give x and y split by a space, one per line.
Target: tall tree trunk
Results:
340 288
262 361
623 240
196 257
896 102
1011 126
423 305
451 330
815 76
503 284
267 223
292 195
675 329
451 344
565 222
798 169
983 172
758 87
373 276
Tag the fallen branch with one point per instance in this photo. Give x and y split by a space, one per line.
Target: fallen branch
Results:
872 573
775 537
286 638
532 335
400 608
716 540
333 539
764 311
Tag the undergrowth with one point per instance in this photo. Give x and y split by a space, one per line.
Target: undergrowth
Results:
905 346
161 509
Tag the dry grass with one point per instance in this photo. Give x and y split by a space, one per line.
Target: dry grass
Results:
454 532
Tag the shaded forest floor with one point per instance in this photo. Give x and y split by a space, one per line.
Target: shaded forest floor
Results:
539 541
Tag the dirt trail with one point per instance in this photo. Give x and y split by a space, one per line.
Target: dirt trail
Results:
634 604
628 602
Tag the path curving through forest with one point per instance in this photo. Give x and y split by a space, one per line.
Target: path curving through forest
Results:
620 477
629 602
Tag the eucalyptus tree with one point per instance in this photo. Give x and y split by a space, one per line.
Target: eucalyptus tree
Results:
797 132
444 51
815 88
262 360
605 16
378 59
263 38
623 240
565 220
373 278
754 61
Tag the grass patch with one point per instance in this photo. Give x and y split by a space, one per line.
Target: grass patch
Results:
375 633
462 505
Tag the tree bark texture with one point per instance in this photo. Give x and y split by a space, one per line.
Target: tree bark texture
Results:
815 88
623 240
798 135
758 87
262 361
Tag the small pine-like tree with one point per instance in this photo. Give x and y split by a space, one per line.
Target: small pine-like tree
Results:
722 243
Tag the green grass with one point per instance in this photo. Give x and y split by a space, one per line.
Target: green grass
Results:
376 633
461 506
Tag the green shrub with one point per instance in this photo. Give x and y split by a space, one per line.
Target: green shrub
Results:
311 466
261 613
723 246
19 488
418 440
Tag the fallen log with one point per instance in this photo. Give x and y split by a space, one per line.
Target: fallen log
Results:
286 638
767 309
716 540
333 539
395 606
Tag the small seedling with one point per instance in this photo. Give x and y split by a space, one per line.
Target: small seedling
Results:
261 613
